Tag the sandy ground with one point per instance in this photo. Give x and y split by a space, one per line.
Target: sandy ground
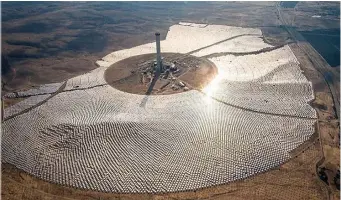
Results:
194 72
10 102
328 124
296 179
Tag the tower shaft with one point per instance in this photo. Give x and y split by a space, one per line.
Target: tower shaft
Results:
158 52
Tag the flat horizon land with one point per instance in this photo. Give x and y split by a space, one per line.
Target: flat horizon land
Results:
48 42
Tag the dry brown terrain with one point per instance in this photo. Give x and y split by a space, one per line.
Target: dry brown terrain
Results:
48 42
328 123
129 74
48 57
295 179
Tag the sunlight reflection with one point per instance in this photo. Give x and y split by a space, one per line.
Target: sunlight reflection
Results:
213 86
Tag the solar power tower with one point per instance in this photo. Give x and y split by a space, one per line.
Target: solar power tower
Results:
158 52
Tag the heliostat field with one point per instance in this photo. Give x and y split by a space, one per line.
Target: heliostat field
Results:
87 134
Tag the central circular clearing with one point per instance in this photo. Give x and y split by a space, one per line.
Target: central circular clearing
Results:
181 72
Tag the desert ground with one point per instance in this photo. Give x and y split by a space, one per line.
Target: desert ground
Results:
37 61
126 75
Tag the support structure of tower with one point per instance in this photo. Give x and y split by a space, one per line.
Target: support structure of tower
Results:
158 52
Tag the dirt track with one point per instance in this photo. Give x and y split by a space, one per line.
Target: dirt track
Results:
326 84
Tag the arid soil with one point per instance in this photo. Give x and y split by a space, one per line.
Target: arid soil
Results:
129 75
295 179
48 42
328 123
10 102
